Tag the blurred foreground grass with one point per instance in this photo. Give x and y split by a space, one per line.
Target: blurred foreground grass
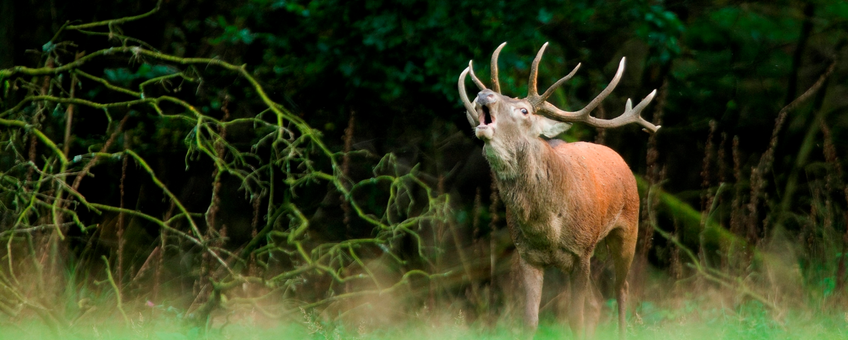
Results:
648 321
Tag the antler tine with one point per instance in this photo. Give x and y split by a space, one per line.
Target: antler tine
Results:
496 86
566 116
532 92
474 78
631 115
636 113
603 95
469 108
556 85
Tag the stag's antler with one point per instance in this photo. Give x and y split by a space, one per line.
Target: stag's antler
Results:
543 107
469 107
532 94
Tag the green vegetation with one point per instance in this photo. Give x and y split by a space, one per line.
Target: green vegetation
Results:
689 321
303 169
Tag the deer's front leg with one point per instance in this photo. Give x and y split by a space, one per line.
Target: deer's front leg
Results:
531 279
579 288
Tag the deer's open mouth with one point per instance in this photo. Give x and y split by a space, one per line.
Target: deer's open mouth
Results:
485 130
486 116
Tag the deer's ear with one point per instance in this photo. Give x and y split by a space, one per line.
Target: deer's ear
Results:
551 128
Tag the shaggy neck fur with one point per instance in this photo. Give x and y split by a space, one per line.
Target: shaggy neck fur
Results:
525 175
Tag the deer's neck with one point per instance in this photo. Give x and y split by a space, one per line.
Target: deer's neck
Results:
528 177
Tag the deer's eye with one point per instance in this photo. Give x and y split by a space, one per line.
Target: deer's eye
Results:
524 111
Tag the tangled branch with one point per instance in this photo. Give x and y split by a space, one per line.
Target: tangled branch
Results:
285 144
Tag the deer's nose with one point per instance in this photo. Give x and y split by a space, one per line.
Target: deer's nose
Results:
486 97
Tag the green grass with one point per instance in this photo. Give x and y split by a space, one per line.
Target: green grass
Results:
749 321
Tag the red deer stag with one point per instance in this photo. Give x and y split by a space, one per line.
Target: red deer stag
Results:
561 198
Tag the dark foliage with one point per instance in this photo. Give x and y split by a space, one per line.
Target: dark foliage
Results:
752 101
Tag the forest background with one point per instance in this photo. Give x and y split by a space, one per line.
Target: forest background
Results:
311 160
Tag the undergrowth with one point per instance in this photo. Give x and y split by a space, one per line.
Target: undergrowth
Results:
697 319
262 229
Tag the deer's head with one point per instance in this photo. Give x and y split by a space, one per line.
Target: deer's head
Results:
500 119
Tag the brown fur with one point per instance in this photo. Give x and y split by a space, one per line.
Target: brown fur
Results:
561 200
